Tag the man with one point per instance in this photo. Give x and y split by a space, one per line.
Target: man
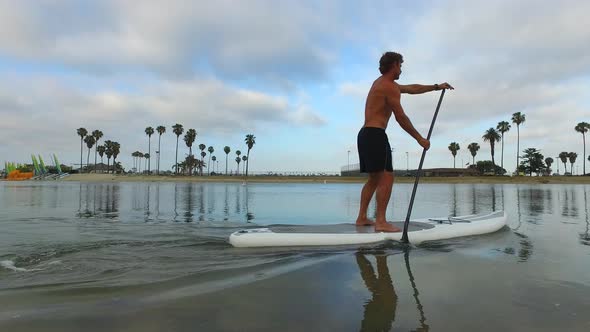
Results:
373 145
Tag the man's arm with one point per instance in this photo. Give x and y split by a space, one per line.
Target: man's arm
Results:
415 89
393 94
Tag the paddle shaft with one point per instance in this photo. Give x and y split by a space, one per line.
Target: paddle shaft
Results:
407 222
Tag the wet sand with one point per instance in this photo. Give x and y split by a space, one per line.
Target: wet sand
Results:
327 179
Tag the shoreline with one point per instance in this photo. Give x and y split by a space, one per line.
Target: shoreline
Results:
328 179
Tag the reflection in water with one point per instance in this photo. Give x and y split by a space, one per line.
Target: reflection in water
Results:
98 200
585 237
493 187
454 206
379 313
147 204
188 211
226 205
570 203
526 245
473 200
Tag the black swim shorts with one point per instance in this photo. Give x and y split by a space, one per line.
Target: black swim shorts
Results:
374 150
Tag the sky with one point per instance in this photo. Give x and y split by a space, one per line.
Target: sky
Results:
293 73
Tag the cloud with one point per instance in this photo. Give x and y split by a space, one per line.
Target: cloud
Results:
46 116
254 40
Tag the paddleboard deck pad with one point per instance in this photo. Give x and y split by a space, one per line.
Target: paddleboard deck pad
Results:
420 230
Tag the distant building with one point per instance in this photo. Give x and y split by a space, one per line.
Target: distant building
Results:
354 170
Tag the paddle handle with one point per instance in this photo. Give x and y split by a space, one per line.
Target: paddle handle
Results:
407 222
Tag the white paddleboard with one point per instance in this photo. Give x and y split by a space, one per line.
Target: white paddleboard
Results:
420 230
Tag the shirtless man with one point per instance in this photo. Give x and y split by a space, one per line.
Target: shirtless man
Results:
373 145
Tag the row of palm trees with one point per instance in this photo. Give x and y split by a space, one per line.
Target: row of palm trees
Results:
494 135
108 148
190 161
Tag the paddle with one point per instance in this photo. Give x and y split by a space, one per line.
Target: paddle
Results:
407 222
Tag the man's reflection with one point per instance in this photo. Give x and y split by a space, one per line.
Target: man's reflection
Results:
380 309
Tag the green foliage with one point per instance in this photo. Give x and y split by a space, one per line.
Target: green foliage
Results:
487 167
533 161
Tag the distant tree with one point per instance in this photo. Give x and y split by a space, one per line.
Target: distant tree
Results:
238 159
149 131
502 127
82 132
572 157
518 119
227 150
549 161
177 129
583 128
492 136
250 141
473 148
211 150
97 136
487 167
533 161
563 157
454 147
161 130
89 140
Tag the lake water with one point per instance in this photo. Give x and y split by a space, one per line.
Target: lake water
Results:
154 257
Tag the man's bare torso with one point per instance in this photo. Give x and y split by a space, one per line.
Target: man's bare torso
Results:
377 111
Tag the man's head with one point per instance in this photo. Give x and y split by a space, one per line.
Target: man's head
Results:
391 64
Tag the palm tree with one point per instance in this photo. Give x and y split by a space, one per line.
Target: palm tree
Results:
149 131
190 162
97 136
189 139
89 140
454 147
572 156
108 144
250 141
245 159
563 157
492 136
211 150
147 160
238 159
139 159
116 151
214 159
473 148
549 161
583 128
518 119
82 132
203 155
101 150
227 150
502 127
161 130
134 155
178 130
202 147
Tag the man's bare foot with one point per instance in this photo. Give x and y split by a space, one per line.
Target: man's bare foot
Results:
364 222
385 227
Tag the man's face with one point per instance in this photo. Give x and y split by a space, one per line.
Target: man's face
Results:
397 69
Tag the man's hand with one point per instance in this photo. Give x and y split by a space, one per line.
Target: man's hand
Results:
424 143
445 85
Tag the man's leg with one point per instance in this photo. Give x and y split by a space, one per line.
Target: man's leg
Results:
383 195
366 195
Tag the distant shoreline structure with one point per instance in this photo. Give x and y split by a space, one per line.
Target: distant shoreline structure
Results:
328 179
